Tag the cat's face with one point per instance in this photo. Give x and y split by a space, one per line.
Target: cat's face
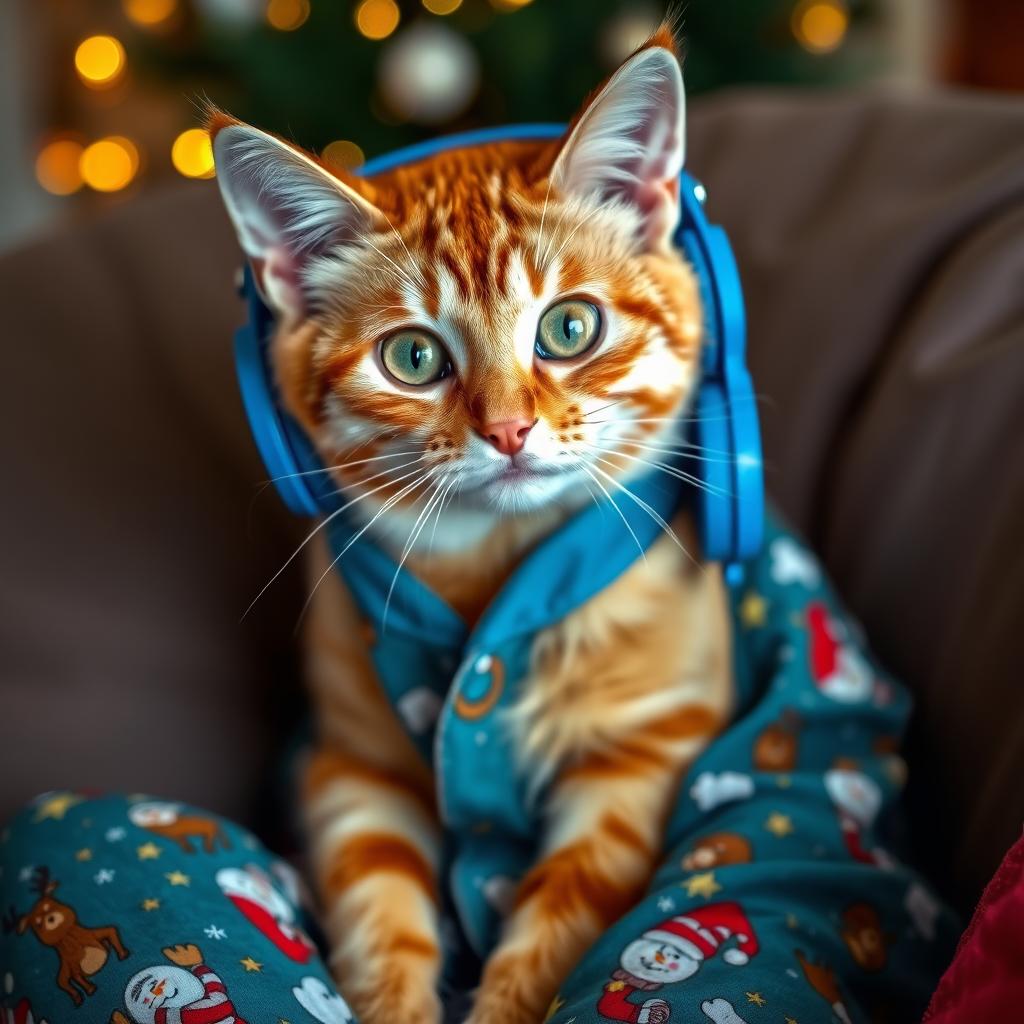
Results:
503 326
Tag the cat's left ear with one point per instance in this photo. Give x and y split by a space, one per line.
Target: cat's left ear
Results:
628 142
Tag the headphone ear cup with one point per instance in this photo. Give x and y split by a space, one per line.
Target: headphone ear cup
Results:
725 429
712 469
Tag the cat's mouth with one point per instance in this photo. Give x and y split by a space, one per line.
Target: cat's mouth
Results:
518 472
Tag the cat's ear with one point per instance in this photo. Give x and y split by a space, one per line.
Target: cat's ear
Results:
628 141
286 208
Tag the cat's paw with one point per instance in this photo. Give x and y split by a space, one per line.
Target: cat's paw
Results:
509 994
393 1000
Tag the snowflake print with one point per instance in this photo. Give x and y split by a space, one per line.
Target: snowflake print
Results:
103 876
115 835
665 904
213 932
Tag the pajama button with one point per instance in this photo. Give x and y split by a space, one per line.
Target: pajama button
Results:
481 689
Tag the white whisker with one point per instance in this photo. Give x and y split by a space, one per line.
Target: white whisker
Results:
653 514
390 503
611 501
323 522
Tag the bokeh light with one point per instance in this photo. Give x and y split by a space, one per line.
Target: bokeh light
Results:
99 61
377 19
343 153
287 15
442 6
428 73
149 13
820 25
192 154
109 164
509 5
57 167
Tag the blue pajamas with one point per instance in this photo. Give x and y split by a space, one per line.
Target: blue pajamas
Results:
781 897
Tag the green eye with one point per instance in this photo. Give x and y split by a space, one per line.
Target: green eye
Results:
415 358
568 329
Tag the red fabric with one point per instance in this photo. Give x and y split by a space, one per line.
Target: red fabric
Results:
985 982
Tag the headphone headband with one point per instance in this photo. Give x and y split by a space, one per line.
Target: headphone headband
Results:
725 429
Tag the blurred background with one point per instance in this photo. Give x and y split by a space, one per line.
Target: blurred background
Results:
100 97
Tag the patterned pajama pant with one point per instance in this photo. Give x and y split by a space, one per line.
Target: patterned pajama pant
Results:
779 900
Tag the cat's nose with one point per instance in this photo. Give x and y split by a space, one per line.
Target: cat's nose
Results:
508 436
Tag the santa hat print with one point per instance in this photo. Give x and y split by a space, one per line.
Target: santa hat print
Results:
838 669
701 932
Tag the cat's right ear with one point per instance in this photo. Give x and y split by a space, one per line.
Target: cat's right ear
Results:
286 208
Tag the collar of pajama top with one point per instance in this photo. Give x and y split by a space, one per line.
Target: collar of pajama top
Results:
450 684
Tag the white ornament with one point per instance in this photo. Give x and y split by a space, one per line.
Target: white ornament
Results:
428 73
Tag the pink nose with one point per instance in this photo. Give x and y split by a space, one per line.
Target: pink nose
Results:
508 436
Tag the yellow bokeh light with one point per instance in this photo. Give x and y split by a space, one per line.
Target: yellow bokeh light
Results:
148 13
109 164
442 6
287 15
343 153
509 5
377 19
820 25
192 154
57 167
99 61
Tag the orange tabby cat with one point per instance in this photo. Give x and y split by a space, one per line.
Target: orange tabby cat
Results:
484 340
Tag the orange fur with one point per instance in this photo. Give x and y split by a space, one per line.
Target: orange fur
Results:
620 696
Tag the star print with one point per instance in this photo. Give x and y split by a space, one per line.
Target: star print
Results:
150 904
250 965
177 878
148 851
114 835
213 932
702 885
756 998
791 921
783 781
56 806
779 825
84 854
103 876
665 904
791 1020
753 610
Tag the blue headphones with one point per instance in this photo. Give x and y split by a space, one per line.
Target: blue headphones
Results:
730 500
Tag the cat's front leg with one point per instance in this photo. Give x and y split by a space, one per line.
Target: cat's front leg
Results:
375 849
603 842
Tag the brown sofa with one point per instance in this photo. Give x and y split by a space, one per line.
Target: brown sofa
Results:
881 242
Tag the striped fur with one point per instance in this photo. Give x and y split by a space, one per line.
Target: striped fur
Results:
474 245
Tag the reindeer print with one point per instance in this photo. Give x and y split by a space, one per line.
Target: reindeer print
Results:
167 821
82 951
